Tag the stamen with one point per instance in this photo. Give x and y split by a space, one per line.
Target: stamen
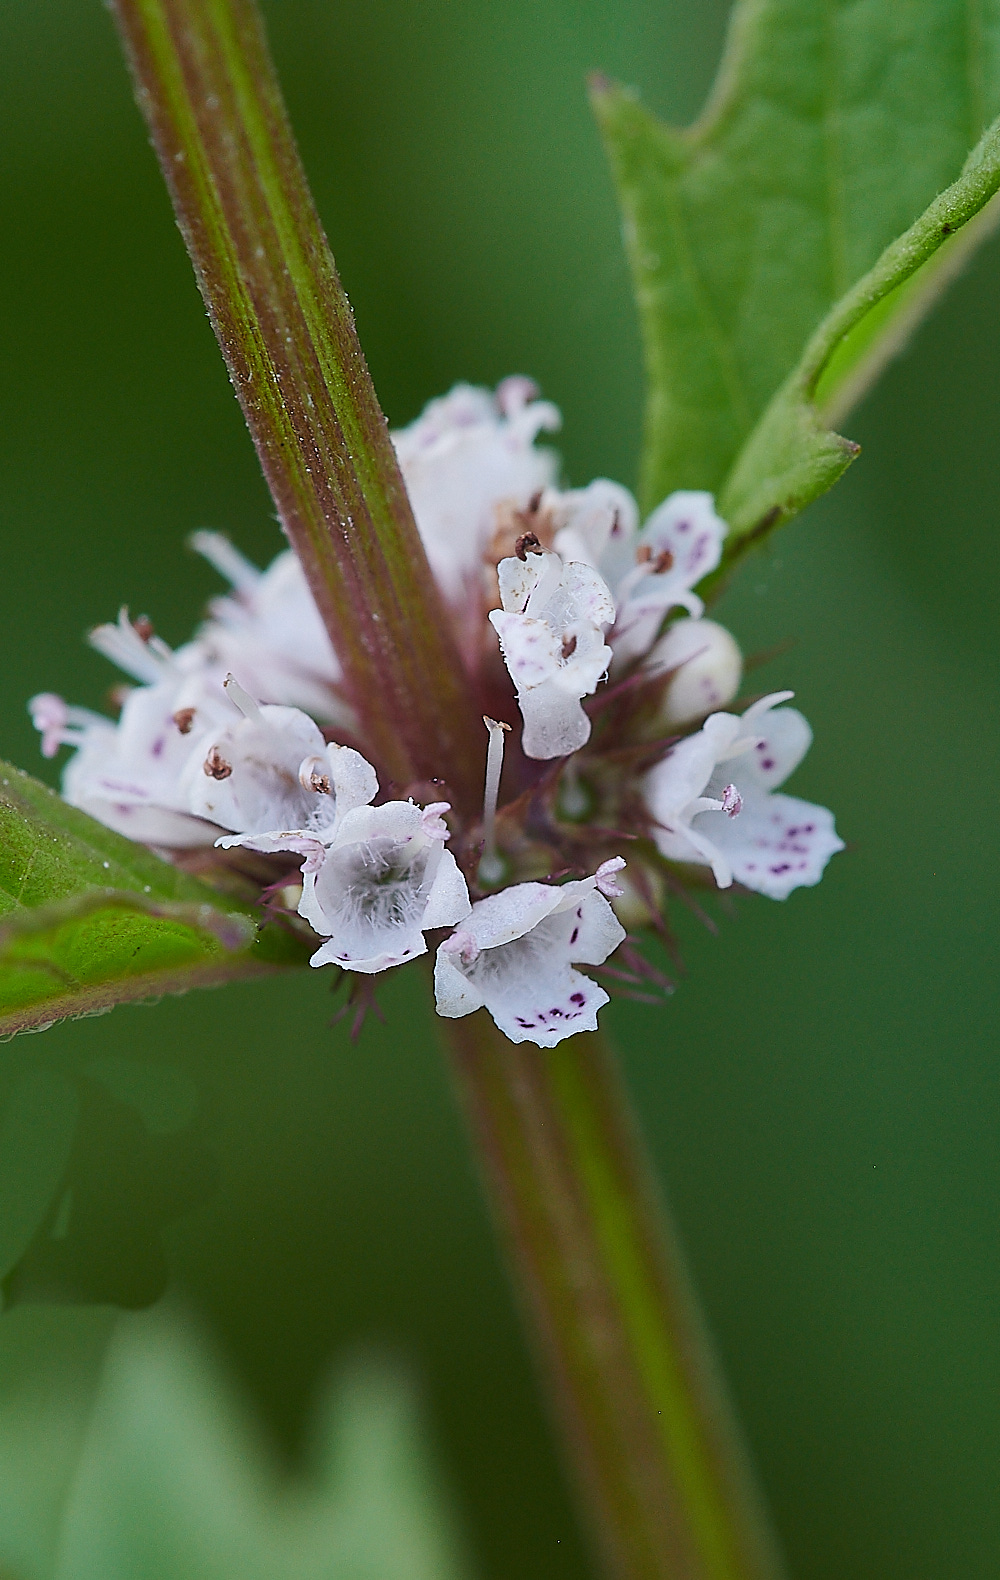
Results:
184 720
312 775
215 765
732 801
50 716
242 699
527 543
229 562
145 660
492 866
568 647
605 877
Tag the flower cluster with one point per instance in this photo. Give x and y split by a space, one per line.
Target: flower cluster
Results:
243 740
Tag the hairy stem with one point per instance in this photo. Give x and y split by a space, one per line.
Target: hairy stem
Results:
651 1438
600 1274
208 90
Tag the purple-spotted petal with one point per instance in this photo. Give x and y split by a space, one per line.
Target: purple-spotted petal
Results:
777 844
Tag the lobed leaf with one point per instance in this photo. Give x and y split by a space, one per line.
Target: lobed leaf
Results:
89 920
829 130
171 1483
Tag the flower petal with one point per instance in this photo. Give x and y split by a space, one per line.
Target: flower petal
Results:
555 724
777 843
514 954
687 527
783 738
531 649
448 900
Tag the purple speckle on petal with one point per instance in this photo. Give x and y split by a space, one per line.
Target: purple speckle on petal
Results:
577 998
574 936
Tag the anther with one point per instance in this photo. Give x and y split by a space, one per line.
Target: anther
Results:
313 777
527 543
732 801
184 719
663 562
568 647
144 628
215 765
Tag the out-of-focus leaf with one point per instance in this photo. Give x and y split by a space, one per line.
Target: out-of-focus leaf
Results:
89 920
50 1368
125 1179
172 1484
163 1095
36 1136
830 129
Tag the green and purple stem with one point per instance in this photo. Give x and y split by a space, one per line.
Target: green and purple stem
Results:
666 1487
644 1420
207 87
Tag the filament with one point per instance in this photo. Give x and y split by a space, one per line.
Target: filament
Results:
242 699
491 867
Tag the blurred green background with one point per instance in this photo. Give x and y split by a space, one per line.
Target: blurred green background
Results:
821 1094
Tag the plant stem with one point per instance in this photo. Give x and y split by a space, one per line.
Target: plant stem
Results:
651 1437
208 90
602 1279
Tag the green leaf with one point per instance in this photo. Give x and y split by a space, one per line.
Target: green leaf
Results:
36 1137
173 1485
89 920
101 1242
830 129
792 456
50 1367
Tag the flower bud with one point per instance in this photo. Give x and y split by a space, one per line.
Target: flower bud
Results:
707 669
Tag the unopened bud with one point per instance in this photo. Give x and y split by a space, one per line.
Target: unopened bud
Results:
706 666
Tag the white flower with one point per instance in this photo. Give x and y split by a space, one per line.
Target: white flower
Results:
650 572
268 631
706 668
515 952
129 774
712 800
271 771
551 633
598 524
378 883
467 453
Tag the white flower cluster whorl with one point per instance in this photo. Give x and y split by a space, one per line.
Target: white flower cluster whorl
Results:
226 740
